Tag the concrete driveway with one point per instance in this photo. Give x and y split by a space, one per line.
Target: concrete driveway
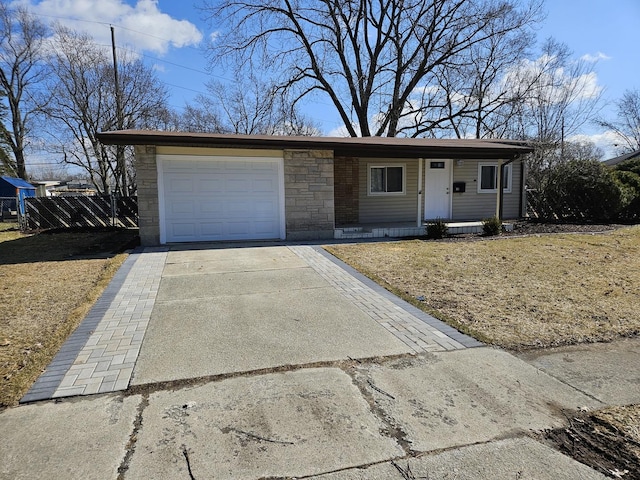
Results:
277 362
238 310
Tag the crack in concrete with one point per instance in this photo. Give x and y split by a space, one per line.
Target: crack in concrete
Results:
254 436
406 458
133 438
391 428
592 397
173 385
185 452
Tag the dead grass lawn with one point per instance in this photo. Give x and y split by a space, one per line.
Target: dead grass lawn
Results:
518 293
48 283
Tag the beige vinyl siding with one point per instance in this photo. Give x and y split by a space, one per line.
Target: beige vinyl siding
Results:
472 205
389 208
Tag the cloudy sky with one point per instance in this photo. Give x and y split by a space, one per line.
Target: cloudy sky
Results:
170 34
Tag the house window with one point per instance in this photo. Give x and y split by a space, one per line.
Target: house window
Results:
386 179
488 178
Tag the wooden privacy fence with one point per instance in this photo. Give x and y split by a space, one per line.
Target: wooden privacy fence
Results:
81 211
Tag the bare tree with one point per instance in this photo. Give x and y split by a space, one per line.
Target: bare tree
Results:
84 103
21 70
369 57
627 125
247 106
472 99
556 95
201 117
582 151
7 165
553 97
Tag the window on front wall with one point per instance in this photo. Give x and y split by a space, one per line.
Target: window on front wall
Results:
488 178
386 179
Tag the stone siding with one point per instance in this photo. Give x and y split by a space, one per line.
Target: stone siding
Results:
309 204
148 208
347 190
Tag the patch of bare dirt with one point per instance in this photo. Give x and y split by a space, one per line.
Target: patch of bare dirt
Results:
538 228
607 440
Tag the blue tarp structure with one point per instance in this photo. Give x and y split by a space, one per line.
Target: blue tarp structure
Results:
16 188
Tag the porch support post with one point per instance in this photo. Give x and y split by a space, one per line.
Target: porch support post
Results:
419 219
499 190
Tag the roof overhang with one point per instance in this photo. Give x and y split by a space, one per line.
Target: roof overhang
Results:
386 147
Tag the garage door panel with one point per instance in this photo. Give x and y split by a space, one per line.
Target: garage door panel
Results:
241 208
264 208
211 208
264 185
212 229
183 230
264 228
179 185
239 228
181 208
214 199
210 185
236 185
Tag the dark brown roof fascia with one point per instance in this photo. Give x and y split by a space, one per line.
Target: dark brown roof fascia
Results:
387 147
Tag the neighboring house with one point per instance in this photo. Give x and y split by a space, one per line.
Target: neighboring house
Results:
45 187
612 162
210 187
75 188
18 189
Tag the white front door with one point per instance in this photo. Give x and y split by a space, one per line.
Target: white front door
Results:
437 189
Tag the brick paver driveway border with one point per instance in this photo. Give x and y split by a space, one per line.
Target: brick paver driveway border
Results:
100 355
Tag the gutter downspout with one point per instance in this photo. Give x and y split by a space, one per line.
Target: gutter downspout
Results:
419 219
500 204
523 193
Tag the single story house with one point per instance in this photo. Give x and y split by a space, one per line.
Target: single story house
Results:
211 187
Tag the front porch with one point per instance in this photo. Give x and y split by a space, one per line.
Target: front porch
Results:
405 229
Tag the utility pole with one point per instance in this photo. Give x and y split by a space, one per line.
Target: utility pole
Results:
120 161
562 140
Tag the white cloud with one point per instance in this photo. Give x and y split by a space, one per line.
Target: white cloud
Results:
594 58
144 26
606 140
342 131
587 85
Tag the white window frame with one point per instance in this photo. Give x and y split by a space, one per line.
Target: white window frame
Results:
387 165
508 171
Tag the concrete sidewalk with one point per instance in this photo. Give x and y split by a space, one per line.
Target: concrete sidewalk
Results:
279 362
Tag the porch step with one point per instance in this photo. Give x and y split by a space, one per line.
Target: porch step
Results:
459 228
378 232
454 228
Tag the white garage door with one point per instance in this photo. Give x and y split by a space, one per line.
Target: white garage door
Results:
220 198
